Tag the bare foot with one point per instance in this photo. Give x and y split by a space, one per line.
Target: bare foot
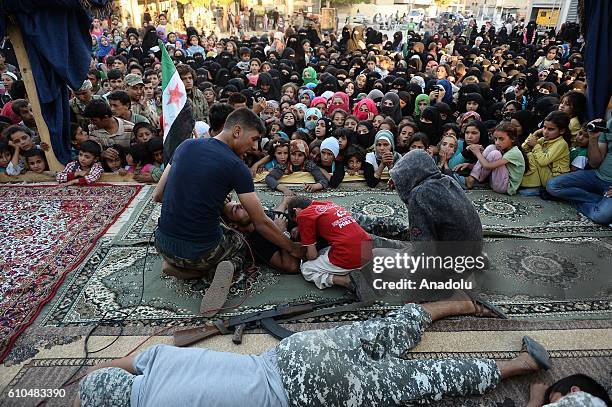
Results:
469 182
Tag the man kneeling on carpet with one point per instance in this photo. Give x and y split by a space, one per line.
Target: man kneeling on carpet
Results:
350 247
357 364
192 189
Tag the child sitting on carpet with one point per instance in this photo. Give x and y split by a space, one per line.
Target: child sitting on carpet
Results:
86 170
549 155
332 170
298 161
503 161
350 247
155 146
579 157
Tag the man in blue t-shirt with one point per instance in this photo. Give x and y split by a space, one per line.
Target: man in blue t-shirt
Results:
202 172
590 190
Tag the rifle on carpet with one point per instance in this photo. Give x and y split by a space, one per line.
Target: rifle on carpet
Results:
266 320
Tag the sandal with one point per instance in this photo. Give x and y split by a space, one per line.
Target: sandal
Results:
537 351
485 309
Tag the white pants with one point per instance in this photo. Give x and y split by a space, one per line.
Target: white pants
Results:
321 271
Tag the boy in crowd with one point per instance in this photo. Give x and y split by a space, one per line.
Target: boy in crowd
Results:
120 105
36 160
134 86
86 170
106 129
350 246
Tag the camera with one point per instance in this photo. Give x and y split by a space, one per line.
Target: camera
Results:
597 127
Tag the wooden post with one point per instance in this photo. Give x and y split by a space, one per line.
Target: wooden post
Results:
16 38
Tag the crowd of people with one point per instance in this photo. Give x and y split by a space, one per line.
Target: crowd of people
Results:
490 106
434 111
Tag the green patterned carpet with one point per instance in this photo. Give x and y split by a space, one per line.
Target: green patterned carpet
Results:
381 212
546 279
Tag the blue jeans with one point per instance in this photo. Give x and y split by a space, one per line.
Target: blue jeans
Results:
586 190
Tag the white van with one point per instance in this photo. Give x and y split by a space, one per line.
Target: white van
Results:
417 15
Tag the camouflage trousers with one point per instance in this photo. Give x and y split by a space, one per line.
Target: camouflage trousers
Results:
107 387
359 365
231 247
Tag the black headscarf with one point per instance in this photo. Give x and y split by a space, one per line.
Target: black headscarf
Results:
365 140
431 129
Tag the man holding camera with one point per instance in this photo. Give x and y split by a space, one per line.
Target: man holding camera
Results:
590 190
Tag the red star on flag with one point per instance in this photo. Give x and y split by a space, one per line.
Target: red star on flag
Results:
175 95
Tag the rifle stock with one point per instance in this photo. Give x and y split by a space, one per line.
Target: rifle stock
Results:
186 337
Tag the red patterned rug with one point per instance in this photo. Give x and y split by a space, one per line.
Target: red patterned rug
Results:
45 232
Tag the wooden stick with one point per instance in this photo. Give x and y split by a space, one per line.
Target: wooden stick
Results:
14 33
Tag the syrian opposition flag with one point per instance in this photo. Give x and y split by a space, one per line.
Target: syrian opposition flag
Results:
177 114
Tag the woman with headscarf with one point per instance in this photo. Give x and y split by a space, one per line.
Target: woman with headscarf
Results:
339 101
323 128
390 106
309 75
288 123
365 109
397 41
376 95
266 84
429 123
475 133
311 117
364 134
420 103
222 77
105 48
448 91
306 96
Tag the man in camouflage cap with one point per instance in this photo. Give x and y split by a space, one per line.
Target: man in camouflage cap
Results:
134 86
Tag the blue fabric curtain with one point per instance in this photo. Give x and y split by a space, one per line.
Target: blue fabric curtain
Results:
598 61
58 43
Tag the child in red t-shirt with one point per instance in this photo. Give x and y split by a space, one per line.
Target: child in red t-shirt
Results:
349 248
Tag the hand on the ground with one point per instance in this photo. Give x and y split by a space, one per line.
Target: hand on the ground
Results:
72 182
536 394
254 171
313 187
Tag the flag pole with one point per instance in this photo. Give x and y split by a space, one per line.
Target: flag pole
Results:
14 33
